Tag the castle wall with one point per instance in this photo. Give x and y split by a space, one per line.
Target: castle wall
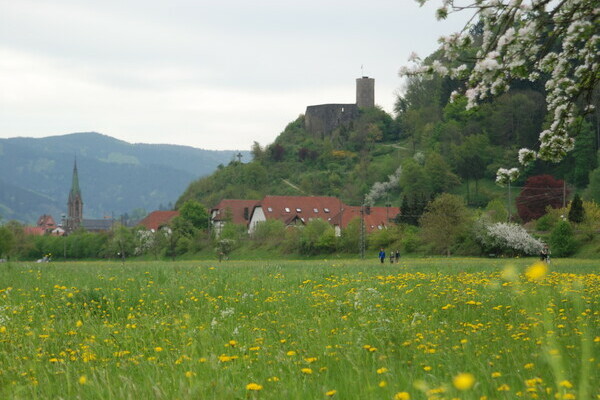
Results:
321 120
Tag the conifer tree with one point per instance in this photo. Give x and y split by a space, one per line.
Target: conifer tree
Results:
576 213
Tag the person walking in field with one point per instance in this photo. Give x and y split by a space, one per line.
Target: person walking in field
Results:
545 254
397 255
391 257
382 255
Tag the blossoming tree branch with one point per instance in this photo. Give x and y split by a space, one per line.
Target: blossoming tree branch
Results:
557 41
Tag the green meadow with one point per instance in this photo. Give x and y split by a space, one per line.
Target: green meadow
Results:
438 328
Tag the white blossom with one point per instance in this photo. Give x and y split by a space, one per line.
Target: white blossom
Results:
515 45
504 237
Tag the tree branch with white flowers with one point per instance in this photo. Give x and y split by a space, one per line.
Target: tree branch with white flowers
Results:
556 41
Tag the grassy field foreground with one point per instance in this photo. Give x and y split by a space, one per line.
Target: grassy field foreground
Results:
421 329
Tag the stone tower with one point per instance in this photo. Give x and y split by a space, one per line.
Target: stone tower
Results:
75 204
365 92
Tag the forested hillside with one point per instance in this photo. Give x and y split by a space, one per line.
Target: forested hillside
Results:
116 177
440 145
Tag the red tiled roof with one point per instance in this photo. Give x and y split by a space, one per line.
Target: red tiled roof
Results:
284 208
376 216
34 230
238 210
156 219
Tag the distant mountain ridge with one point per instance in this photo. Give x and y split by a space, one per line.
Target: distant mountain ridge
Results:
116 177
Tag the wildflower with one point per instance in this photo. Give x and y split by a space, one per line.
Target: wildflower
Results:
189 374
536 271
158 349
382 384
528 366
306 371
79 324
291 353
427 368
382 370
82 380
331 393
254 386
232 343
310 359
503 388
566 384
402 396
463 381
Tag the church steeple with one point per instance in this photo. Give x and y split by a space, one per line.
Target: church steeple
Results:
75 204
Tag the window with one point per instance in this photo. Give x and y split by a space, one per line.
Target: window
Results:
326 210
298 210
269 209
287 210
316 210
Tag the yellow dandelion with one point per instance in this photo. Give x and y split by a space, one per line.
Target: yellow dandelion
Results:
189 374
232 343
382 370
310 359
566 384
463 381
158 349
79 324
536 271
427 368
382 384
254 386
331 393
503 388
291 353
496 374
306 371
2 329
402 396
528 366
82 380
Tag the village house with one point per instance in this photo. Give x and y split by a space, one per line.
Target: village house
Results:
375 218
231 211
157 219
295 210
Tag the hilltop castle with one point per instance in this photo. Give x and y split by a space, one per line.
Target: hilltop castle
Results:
321 120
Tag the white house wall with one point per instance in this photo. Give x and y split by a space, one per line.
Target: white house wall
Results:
257 217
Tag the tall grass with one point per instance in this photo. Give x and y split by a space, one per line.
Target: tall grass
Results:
300 329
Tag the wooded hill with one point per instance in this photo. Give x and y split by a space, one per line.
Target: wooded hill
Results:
441 147
116 177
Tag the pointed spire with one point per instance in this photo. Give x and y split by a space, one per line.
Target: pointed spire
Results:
75 190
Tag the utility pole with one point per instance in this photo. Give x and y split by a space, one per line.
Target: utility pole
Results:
508 202
362 231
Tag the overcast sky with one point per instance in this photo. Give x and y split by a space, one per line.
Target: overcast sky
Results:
208 74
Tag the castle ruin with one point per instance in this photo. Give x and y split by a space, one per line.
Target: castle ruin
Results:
321 120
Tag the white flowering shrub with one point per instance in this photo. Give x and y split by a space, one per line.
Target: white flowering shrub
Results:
505 237
525 40
504 176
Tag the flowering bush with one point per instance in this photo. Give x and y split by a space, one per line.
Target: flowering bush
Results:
505 237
